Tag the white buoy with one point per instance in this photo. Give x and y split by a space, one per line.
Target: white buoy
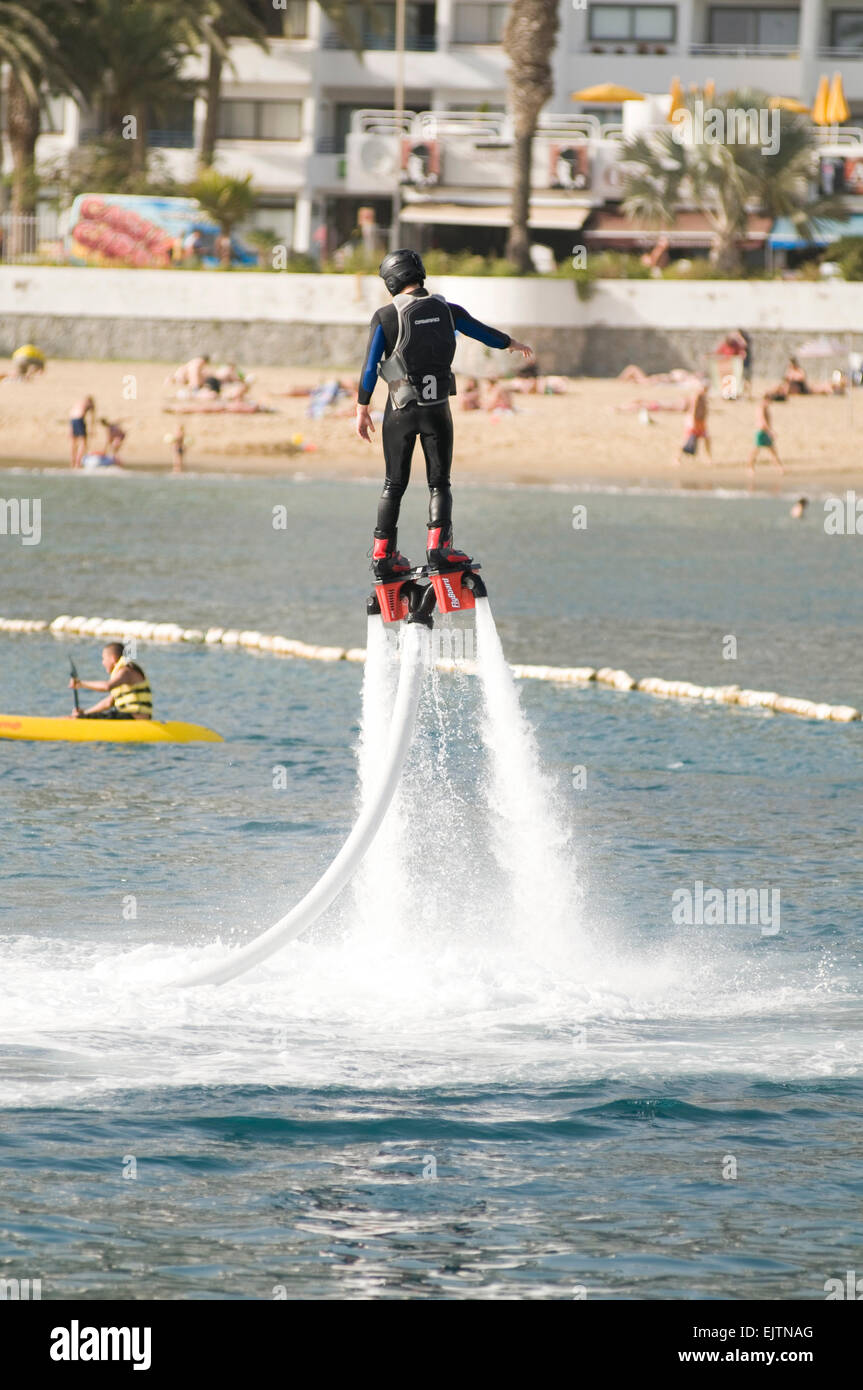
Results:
844 714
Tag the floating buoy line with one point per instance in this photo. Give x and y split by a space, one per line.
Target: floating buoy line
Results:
250 639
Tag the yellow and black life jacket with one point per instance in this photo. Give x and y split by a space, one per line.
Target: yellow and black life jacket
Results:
132 699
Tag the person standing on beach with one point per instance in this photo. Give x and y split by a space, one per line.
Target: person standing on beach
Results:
78 427
746 343
411 344
696 409
177 441
764 437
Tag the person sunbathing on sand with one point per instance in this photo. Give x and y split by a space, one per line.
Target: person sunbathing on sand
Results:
678 376
796 383
469 394
498 400
192 373
529 382
652 406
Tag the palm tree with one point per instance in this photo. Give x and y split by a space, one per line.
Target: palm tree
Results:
227 200
726 181
528 41
135 64
214 23
39 54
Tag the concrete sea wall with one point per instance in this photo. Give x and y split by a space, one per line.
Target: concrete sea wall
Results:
321 320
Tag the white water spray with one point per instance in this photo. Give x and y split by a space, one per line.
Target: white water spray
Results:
346 862
378 887
528 835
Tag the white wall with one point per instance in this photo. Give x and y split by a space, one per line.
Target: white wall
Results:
348 299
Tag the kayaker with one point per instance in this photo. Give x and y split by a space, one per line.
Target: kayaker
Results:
128 691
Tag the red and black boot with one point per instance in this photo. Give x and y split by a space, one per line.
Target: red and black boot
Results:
440 554
387 563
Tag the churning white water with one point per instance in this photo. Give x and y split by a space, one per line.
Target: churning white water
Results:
462 952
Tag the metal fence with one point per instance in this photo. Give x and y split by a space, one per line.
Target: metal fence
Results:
27 236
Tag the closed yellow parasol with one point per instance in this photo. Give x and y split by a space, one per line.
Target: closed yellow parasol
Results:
819 109
678 101
837 106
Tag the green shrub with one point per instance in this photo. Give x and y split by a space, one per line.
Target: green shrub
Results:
848 254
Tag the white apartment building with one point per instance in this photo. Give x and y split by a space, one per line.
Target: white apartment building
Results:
287 114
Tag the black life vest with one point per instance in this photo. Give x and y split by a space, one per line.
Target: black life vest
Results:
419 368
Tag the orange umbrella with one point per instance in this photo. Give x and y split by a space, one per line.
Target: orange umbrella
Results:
678 102
837 106
788 104
710 90
607 92
819 110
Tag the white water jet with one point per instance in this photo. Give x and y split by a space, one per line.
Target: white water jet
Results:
529 838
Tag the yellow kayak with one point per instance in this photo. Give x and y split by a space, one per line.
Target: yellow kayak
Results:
104 730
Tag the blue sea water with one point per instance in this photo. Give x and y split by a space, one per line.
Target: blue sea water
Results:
447 1099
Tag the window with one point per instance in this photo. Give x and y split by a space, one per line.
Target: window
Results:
479 23
294 19
173 125
846 29
343 115
734 27
287 19
376 26
633 23
261 120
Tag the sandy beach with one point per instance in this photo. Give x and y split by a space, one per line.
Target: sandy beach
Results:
581 436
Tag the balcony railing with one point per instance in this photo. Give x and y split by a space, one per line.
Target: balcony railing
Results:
383 43
631 48
171 139
839 135
482 127
841 55
745 50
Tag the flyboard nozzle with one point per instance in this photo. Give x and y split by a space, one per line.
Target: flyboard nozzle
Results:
422 602
373 608
473 581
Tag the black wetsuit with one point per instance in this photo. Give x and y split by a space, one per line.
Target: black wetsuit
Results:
431 423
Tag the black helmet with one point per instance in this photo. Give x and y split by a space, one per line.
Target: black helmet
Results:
401 268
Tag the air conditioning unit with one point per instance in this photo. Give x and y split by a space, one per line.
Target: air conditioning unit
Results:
373 162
